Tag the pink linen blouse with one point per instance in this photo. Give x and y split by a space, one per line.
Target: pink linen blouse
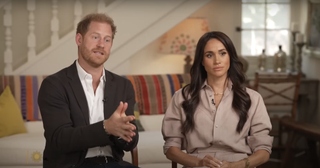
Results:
215 128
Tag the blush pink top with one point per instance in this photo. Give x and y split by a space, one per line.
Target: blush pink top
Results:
215 128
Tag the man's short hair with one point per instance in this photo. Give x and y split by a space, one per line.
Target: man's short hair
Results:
83 25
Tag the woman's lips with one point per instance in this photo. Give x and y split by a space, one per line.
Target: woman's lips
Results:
217 68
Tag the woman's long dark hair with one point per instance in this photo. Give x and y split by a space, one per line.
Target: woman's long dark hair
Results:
191 93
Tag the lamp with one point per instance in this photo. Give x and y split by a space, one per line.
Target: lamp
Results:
182 39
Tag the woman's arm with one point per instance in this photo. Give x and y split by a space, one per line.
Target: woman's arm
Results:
176 155
256 159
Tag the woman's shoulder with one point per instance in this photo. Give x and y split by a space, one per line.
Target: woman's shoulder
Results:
178 94
255 97
252 93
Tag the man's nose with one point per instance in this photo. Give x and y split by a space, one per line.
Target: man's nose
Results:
100 43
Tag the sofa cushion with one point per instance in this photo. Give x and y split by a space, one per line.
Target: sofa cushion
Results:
154 92
11 121
150 148
25 90
152 122
22 149
34 127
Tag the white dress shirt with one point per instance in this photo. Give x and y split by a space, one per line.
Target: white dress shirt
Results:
95 104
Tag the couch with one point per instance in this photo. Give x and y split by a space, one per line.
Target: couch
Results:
24 149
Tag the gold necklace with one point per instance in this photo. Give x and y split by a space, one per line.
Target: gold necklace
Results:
224 88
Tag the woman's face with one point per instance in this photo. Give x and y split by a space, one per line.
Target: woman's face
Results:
216 60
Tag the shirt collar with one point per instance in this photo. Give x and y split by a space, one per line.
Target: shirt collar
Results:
229 87
82 73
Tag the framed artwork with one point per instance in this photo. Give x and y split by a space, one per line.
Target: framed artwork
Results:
313 29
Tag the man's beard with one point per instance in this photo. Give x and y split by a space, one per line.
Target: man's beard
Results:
87 56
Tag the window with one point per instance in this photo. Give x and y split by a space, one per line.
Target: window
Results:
265 25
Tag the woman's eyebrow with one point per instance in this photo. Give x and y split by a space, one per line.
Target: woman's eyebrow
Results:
208 52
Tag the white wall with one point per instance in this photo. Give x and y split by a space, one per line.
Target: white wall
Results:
310 65
43 15
221 15
138 23
149 61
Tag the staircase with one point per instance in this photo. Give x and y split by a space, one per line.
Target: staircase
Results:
139 22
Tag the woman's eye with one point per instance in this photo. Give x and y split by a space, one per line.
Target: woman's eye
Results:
223 53
209 55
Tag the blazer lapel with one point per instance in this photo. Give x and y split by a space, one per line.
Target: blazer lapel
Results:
77 88
109 93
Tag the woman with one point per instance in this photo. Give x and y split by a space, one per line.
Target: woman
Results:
218 121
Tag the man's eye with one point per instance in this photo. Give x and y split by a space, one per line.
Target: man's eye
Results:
107 40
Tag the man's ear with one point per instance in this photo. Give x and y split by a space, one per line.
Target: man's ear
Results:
78 39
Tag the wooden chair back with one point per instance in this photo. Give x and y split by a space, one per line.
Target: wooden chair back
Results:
280 94
279 91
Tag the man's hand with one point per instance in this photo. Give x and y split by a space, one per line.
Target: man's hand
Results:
119 123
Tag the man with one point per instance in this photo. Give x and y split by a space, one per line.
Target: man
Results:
87 111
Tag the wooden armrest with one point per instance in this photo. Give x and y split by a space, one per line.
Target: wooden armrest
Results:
174 164
134 156
309 130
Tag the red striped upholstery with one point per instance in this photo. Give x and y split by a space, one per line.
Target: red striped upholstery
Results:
153 92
